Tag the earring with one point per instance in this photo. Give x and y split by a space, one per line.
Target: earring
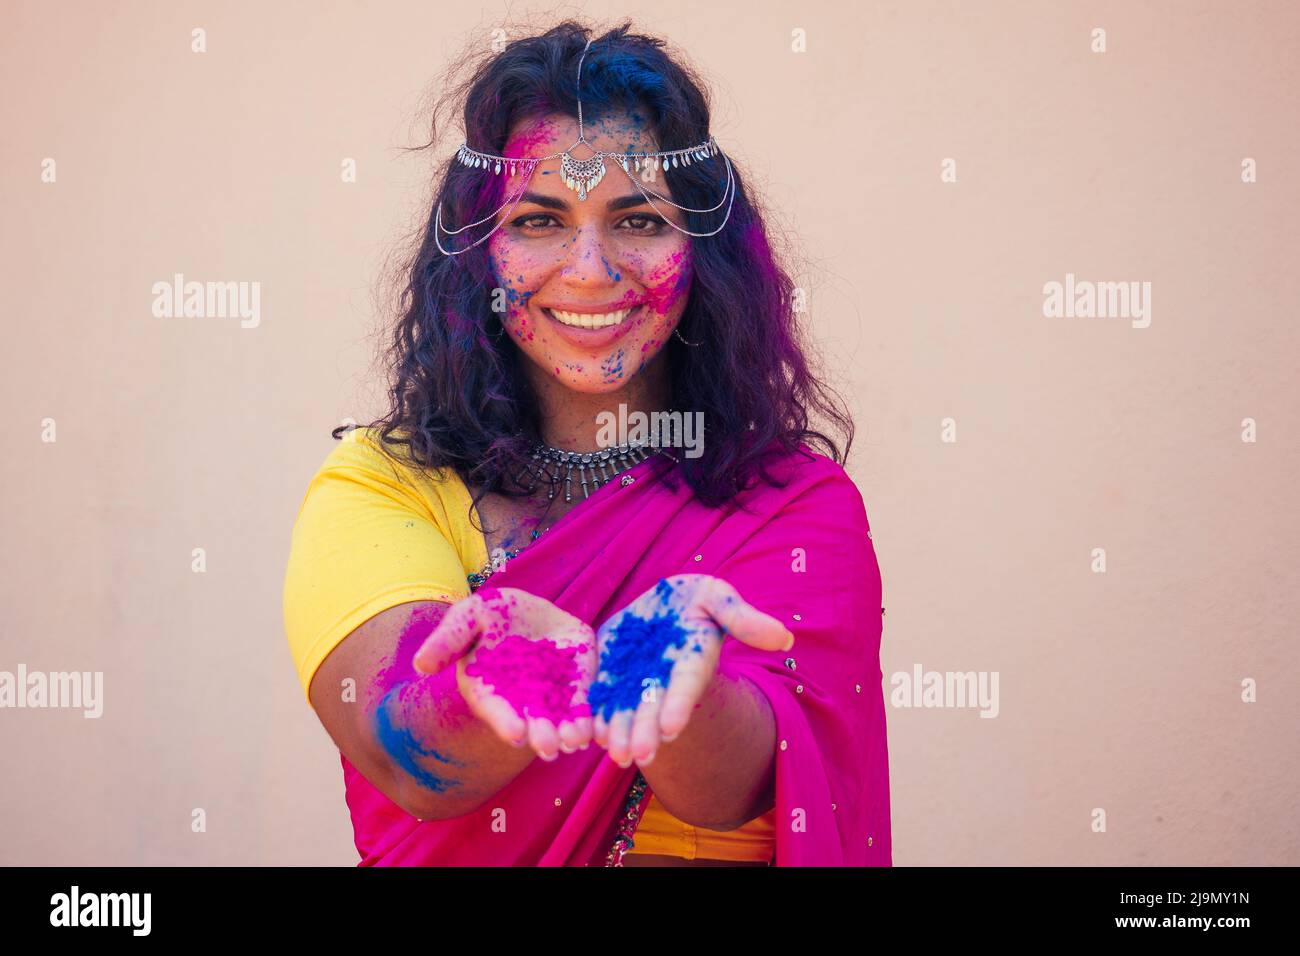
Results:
678 332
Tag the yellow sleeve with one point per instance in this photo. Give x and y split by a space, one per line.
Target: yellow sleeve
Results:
371 534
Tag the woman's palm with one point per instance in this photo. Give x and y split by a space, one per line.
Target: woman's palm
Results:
523 665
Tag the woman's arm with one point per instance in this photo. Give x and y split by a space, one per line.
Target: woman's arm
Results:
719 772
411 735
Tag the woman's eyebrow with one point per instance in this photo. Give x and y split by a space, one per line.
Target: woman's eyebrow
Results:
554 202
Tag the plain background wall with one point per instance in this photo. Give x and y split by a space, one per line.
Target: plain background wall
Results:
1119 691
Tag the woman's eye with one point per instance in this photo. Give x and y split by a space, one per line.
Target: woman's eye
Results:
537 220
644 222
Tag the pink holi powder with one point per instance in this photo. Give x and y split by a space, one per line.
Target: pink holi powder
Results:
531 138
421 623
538 678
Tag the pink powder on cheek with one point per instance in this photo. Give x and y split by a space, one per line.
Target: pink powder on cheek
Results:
670 280
538 678
666 281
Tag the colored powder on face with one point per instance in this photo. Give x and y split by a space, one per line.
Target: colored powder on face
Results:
400 744
531 138
538 678
635 654
612 367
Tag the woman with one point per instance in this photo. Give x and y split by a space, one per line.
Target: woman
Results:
654 657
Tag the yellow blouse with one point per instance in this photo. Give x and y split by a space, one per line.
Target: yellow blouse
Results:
662 833
375 529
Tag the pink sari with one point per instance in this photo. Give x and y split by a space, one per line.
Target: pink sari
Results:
800 553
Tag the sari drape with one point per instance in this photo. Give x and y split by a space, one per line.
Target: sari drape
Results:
801 553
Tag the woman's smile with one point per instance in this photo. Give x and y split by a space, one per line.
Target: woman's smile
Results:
592 329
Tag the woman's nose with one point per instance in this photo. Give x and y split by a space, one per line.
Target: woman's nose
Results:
589 259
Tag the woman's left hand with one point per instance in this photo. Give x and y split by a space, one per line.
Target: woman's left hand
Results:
658 656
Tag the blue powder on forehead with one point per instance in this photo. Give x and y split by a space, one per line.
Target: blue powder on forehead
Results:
635 653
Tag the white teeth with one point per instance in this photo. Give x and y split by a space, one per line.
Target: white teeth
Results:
585 321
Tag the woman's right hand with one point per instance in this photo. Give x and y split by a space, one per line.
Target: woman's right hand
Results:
523 666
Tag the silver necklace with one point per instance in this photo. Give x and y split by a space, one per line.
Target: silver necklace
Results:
556 467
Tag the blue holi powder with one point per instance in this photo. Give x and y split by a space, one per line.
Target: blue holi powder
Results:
615 79
512 294
635 654
613 366
401 745
610 271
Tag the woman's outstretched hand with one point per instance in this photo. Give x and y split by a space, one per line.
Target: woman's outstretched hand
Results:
658 656
523 665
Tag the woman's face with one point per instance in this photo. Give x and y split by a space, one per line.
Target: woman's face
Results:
609 262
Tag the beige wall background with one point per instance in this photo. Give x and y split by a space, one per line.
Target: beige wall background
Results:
1119 690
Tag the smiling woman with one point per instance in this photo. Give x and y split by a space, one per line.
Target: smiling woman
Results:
467 622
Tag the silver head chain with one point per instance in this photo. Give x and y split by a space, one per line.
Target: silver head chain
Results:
583 175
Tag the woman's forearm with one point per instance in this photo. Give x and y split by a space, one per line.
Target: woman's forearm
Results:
444 761
719 772
437 759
